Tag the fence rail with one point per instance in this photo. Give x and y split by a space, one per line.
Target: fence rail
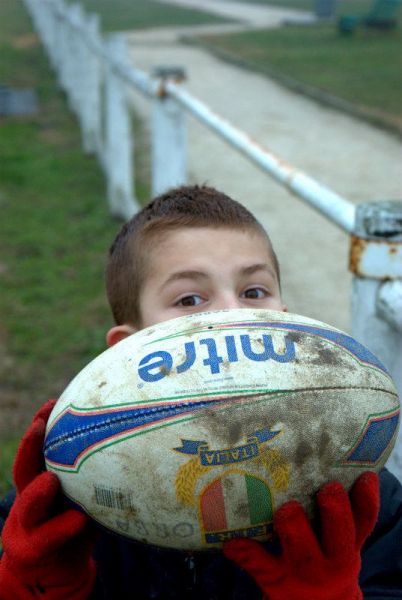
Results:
97 76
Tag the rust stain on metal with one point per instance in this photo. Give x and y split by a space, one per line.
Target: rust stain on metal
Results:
282 164
357 248
161 91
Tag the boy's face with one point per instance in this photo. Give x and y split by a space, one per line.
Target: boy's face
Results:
197 269
192 270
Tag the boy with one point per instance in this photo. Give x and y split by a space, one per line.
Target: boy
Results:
190 250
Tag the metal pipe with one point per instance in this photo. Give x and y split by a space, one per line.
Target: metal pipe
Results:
339 210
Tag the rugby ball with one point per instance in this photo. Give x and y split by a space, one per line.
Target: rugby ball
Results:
193 431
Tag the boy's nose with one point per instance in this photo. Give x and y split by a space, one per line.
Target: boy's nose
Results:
227 301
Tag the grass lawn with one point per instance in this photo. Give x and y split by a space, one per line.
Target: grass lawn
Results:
342 6
302 4
138 14
364 69
55 232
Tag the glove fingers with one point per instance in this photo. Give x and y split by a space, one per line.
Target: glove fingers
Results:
299 543
365 500
61 530
38 500
253 558
337 523
29 460
45 410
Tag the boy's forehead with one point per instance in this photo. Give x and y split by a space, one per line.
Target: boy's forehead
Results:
197 238
182 234
206 244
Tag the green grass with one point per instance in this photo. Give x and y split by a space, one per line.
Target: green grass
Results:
363 69
341 6
55 232
301 4
8 450
138 14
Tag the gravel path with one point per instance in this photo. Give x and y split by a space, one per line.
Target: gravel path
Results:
355 159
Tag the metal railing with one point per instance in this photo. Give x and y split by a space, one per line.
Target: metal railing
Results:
97 76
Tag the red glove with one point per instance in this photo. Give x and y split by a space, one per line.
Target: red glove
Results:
309 569
47 549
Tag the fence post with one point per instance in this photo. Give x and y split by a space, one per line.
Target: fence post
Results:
169 136
119 165
69 59
53 32
376 262
58 39
43 24
93 105
63 45
75 17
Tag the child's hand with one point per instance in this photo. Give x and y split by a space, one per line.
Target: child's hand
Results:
47 550
312 568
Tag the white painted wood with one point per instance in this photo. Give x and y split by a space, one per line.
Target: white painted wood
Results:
75 75
78 17
93 103
69 58
63 76
119 163
51 28
56 35
169 145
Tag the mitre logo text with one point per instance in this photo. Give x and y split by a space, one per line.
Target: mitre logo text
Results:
157 365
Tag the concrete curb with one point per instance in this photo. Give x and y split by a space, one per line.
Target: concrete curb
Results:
366 114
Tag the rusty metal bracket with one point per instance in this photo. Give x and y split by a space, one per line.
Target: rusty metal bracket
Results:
377 259
164 74
376 246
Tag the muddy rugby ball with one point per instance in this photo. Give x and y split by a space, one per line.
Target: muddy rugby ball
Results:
194 431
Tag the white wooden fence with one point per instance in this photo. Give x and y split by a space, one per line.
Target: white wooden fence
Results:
97 77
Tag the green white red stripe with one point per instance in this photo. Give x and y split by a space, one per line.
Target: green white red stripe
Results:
234 502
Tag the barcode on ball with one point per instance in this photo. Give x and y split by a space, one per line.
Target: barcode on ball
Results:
113 498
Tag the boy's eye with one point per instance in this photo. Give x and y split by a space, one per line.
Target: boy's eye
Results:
255 293
192 300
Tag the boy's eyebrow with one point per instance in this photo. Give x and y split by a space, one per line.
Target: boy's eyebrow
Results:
193 274
258 267
184 275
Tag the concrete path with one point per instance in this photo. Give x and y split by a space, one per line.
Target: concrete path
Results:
355 159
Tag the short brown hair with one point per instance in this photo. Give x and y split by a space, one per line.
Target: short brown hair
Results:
187 206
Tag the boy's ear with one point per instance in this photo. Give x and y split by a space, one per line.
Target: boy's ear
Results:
118 333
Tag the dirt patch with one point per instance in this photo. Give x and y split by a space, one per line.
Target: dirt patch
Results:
24 42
